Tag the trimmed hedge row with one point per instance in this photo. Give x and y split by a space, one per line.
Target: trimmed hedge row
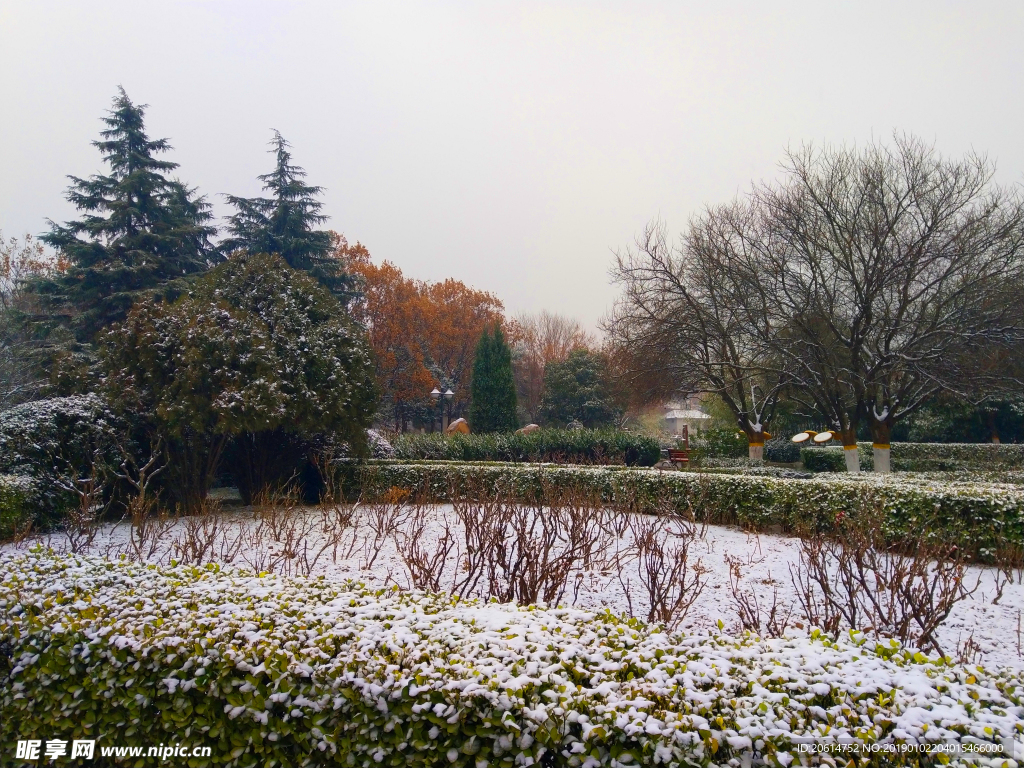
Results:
275 671
985 519
561 446
922 457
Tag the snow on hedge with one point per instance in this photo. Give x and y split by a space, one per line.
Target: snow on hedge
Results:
268 669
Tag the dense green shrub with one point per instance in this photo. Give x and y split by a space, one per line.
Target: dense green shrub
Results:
984 519
15 512
313 672
782 449
562 446
929 457
257 356
823 459
717 443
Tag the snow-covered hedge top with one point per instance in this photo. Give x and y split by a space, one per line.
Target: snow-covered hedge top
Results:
302 665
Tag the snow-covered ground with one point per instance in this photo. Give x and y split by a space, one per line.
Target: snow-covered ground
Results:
306 541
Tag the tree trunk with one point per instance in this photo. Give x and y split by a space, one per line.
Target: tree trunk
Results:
990 418
849 438
880 431
755 445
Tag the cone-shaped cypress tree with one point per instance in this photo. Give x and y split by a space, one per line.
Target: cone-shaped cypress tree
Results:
141 230
493 399
285 223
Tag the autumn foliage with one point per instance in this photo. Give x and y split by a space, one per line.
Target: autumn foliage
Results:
423 334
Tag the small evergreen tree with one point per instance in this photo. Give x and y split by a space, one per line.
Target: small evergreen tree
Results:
577 389
285 223
142 231
493 400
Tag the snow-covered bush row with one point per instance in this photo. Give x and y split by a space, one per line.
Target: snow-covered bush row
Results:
62 438
562 446
923 457
981 518
268 670
14 493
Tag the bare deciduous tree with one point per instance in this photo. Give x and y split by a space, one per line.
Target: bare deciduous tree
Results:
865 282
890 269
684 322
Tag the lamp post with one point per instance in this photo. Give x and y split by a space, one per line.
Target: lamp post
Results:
441 398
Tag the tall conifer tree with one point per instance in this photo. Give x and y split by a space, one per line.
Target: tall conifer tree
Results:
493 404
285 223
141 230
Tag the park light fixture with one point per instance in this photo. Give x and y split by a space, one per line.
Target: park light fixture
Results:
803 437
824 437
443 398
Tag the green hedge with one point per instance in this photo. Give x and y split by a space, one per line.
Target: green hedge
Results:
922 457
271 671
983 518
561 446
826 459
15 492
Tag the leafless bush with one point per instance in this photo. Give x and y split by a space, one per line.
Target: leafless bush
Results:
856 581
83 518
289 539
767 620
1009 569
482 535
382 517
968 651
535 559
202 537
671 583
529 552
425 564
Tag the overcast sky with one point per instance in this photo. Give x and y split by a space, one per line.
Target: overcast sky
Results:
510 145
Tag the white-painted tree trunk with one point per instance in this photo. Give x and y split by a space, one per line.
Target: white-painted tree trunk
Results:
756 451
852 459
881 453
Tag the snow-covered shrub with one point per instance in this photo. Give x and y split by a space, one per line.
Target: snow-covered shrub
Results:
380 448
981 517
269 670
924 457
57 439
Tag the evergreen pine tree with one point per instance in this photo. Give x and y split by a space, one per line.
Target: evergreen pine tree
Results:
141 231
284 223
493 400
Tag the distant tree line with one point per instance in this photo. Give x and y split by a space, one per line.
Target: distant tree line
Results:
252 352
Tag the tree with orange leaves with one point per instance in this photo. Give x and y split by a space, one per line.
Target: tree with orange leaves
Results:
537 340
423 334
